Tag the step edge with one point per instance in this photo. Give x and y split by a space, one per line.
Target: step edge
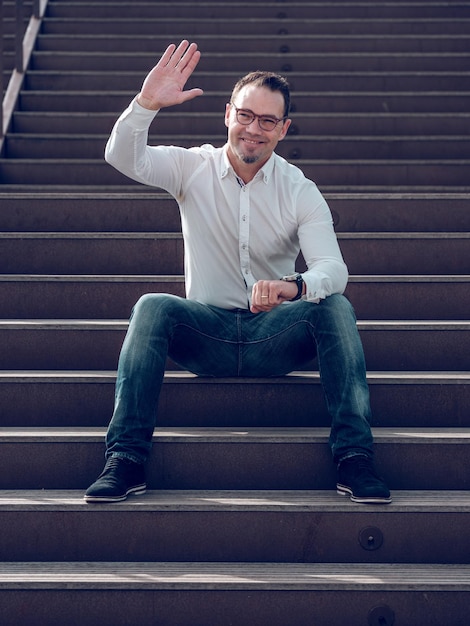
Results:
235 576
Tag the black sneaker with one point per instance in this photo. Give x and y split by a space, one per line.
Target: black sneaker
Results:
119 478
358 479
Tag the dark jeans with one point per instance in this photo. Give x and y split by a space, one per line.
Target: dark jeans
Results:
224 343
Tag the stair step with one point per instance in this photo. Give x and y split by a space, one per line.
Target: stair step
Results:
324 101
95 344
400 297
292 148
234 458
232 10
152 211
101 253
162 253
79 60
193 27
257 43
303 123
85 398
94 212
235 526
413 173
109 79
233 593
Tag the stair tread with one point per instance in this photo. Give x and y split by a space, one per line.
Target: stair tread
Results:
91 324
249 576
385 278
176 376
234 500
408 435
153 235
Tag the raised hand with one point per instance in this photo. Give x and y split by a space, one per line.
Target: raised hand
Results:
164 85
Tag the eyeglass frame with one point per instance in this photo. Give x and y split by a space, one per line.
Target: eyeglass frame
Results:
259 117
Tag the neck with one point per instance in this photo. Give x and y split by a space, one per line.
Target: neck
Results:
245 171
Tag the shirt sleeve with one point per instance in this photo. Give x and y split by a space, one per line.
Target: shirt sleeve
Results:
326 270
128 152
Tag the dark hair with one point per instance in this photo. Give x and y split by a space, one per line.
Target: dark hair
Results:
272 81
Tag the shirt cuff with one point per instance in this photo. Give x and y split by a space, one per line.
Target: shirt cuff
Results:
314 292
137 116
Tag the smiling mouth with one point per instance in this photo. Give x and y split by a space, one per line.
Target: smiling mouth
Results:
251 142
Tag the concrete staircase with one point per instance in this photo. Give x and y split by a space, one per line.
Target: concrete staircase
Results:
242 525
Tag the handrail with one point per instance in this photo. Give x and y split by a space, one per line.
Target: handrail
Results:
24 43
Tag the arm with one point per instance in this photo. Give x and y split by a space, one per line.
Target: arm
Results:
127 148
164 85
326 271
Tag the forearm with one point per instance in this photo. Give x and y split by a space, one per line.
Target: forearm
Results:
126 149
324 279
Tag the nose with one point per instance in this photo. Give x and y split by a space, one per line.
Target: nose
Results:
254 122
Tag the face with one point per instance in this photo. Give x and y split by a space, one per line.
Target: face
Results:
250 144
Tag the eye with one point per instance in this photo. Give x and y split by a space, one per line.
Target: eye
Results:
244 117
268 121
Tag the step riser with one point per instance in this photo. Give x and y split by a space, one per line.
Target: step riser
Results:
231 536
159 213
292 148
93 256
346 81
320 43
272 61
355 101
235 607
114 299
389 174
267 10
394 350
225 404
335 125
138 255
47 464
266 26
116 213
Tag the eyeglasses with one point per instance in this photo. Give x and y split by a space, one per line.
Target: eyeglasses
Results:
265 122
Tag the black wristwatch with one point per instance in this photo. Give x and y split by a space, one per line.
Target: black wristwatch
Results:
295 278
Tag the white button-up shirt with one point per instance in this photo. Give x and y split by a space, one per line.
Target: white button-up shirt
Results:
234 234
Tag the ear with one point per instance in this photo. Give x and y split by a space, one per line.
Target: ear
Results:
228 109
285 128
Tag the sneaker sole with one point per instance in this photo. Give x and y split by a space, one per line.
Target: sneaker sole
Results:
342 490
136 491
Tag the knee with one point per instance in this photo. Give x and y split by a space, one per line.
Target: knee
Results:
337 311
339 305
152 306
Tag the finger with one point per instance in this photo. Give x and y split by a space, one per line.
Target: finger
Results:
190 94
191 62
166 56
181 52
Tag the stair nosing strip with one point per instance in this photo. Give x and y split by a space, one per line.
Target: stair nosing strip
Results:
298 501
182 376
218 435
235 576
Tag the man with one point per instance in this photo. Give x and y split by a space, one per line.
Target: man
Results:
245 215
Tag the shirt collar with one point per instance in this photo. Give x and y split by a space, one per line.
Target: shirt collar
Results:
265 172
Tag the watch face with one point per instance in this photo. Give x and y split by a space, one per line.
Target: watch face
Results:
291 277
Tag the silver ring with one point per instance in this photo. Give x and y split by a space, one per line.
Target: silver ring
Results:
264 297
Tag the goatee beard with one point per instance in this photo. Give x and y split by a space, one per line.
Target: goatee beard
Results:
248 159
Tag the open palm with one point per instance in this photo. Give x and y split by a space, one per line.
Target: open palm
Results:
164 85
